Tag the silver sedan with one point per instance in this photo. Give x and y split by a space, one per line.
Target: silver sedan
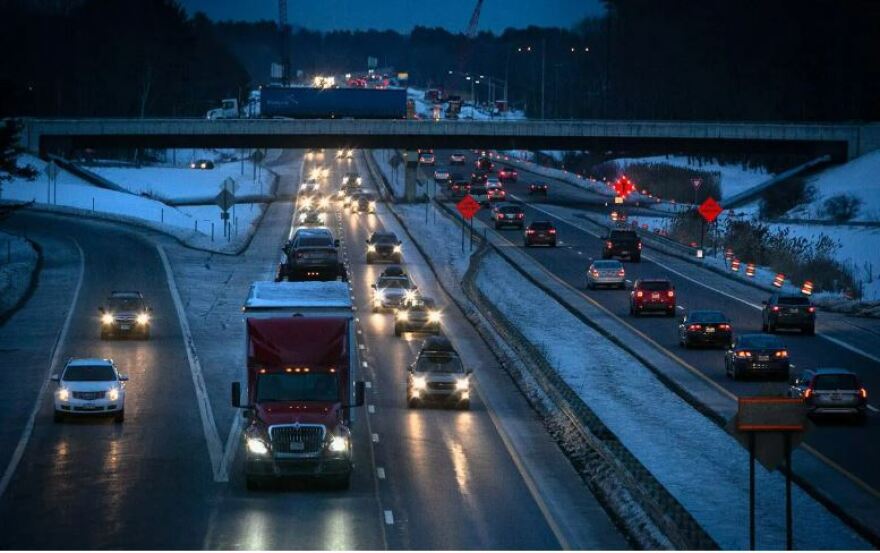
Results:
606 272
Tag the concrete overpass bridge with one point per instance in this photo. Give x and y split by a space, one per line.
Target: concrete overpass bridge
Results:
840 140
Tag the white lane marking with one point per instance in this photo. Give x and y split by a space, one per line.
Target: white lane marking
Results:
872 408
389 518
361 346
654 260
380 473
364 363
212 437
371 408
375 438
369 384
232 442
18 453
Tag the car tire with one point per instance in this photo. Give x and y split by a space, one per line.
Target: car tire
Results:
119 416
343 274
369 259
670 313
397 331
685 343
861 418
810 330
763 326
253 483
340 483
464 405
412 403
637 259
553 244
771 328
58 416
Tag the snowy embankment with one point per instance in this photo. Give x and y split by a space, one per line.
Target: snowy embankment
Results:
18 261
701 465
425 109
196 226
857 178
394 177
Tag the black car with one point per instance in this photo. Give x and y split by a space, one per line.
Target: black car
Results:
540 232
384 246
484 164
312 254
393 271
125 314
351 179
508 215
479 178
201 164
622 243
757 354
363 203
459 189
705 328
539 188
788 311
831 392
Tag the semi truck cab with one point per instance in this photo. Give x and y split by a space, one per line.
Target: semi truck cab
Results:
300 383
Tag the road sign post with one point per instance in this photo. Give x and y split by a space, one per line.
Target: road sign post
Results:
709 210
468 207
51 178
770 427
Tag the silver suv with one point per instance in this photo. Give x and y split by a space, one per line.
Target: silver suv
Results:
438 375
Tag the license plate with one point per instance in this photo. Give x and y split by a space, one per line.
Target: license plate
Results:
541 235
124 327
655 296
710 329
624 252
89 405
835 397
793 311
297 446
508 216
763 358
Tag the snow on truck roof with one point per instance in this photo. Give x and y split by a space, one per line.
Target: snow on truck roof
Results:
268 295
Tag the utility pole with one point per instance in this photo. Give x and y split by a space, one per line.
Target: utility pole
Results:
543 71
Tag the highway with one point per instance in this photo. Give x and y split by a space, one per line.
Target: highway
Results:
448 479
848 446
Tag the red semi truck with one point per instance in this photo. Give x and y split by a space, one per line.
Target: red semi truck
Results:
302 359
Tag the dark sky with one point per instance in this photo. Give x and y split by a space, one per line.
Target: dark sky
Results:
402 15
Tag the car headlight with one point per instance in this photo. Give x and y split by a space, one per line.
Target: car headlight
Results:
257 446
63 394
433 316
325 203
402 315
143 319
462 384
338 444
372 205
360 180
420 382
107 318
380 295
113 394
410 295
371 248
397 249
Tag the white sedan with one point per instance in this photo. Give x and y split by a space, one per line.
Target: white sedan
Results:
90 386
607 272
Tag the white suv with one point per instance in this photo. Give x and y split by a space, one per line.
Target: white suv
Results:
88 386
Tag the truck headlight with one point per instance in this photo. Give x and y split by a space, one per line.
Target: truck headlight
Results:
360 180
371 248
462 384
107 318
113 394
397 249
372 205
63 394
420 382
402 315
143 319
433 316
257 446
338 444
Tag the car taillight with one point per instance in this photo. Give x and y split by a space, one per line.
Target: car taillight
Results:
621 273
609 245
743 354
863 393
695 327
553 231
724 326
781 353
520 215
640 294
640 245
530 231
811 309
775 308
500 216
671 293
807 393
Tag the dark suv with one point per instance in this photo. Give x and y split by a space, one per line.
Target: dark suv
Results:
831 392
622 243
654 294
788 311
125 314
540 232
312 254
508 215
757 354
384 246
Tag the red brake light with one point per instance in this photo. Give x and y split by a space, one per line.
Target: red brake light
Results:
530 231
812 309
609 245
500 216
724 326
863 393
808 392
640 245
640 294
743 354
695 327
553 231
520 215
621 273
671 293
781 353
775 308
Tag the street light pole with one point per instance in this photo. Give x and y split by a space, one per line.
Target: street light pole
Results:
543 71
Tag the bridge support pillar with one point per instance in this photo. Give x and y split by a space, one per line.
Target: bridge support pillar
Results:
410 175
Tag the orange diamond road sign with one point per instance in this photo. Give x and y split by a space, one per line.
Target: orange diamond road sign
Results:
710 209
623 186
468 207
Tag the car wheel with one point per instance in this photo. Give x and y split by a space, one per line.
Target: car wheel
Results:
253 483
343 274
684 343
763 326
412 403
771 328
119 416
340 482
590 286
670 313
553 244
369 259
637 259
58 416
397 330
810 330
464 405
861 417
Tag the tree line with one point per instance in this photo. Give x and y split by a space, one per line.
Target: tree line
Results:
795 60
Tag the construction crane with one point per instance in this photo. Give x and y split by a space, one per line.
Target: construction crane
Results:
283 42
471 31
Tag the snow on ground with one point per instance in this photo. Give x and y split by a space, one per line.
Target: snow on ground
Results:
858 177
394 177
174 184
73 195
18 260
698 462
440 237
425 109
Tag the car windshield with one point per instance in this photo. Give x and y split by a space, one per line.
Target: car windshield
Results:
606 265
392 283
384 239
793 300
760 342
654 285
89 373
835 382
313 242
623 235
511 209
126 304
707 317
365 198
422 304
439 364
297 387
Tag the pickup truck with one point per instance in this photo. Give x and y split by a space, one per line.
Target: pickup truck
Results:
622 243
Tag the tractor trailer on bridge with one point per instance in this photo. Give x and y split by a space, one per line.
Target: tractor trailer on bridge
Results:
332 103
301 387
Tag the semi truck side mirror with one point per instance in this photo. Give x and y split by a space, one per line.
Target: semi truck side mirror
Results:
359 393
56 378
336 243
236 394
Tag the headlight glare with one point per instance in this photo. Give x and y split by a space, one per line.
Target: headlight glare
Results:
420 382
434 316
462 384
338 444
143 319
397 249
402 315
257 446
371 248
63 394
107 318
113 394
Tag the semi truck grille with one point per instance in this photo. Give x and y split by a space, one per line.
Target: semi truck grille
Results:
297 440
88 395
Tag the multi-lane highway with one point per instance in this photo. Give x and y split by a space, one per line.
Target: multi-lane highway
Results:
424 479
847 446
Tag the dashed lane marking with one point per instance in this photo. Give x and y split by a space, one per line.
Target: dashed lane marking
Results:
380 473
389 518
375 438
364 364
368 384
371 409
872 408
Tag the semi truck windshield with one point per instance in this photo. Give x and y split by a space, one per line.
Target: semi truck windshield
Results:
297 387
